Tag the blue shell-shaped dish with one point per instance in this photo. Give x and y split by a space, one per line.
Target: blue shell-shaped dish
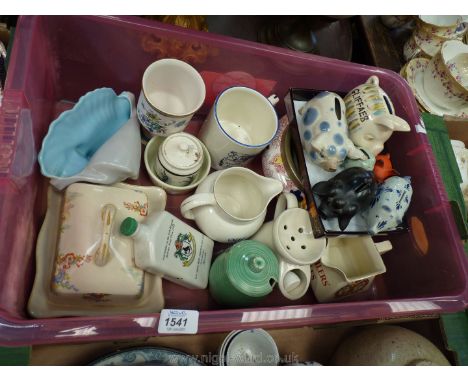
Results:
157 356
77 134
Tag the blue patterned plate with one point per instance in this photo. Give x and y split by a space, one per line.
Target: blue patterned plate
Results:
146 356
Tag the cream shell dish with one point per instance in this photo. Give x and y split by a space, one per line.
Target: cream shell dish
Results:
43 302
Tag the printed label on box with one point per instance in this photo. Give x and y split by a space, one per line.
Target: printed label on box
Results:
173 321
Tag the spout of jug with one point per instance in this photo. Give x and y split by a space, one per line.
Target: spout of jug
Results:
270 188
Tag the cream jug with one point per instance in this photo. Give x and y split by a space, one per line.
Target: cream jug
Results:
230 205
347 267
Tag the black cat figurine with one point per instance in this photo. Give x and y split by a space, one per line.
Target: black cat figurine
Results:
346 194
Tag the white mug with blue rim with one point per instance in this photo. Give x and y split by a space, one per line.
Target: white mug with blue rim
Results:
172 91
241 123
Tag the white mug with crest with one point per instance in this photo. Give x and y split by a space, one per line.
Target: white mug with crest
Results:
172 91
241 123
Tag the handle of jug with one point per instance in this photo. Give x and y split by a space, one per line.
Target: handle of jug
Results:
384 246
285 201
194 201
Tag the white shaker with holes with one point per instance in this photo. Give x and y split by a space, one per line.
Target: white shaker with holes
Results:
179 159
291 238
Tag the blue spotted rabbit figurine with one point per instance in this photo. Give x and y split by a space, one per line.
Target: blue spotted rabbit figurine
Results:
324 131
390 204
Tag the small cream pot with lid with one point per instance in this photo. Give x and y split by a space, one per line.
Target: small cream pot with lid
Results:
179 159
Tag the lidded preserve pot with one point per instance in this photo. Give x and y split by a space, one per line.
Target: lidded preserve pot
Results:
179 159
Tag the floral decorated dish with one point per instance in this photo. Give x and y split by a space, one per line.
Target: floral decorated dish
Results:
69 281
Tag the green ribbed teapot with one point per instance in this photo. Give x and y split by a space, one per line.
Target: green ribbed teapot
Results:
243 274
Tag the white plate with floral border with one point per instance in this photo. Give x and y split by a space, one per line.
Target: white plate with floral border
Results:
414 75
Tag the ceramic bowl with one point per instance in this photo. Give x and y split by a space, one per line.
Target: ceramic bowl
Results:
81 143
151 152
253 347
145 356
222 348
443 26
446 76
385 345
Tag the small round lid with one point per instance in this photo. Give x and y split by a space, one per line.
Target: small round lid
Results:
128 226
181 154
294 237
252 268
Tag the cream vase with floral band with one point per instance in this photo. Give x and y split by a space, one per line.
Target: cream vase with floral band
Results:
172 92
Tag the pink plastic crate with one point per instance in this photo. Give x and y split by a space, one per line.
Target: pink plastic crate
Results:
56 59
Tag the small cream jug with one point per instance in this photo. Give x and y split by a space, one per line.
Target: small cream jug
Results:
291 238
347 267
371 116
230 205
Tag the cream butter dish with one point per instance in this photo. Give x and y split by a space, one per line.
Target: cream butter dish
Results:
88 212
83 265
